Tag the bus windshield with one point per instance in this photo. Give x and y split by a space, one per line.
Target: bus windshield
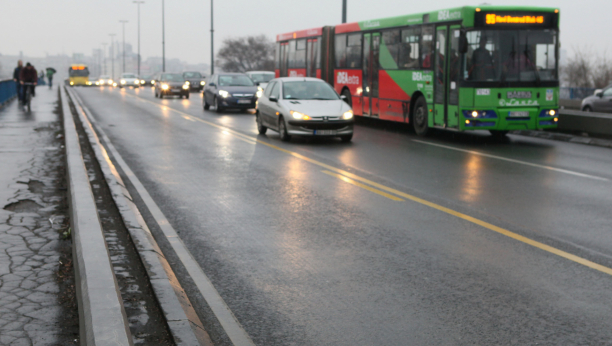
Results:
78 73
511 56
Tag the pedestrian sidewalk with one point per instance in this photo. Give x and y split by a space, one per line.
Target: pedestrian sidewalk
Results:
37 295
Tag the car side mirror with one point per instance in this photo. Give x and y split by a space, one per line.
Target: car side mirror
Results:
212 84
273 99
599 94
256 83
463 43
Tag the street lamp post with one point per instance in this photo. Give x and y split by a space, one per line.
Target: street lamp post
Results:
163 39
112 55
344 11
138 3
212 40
123 22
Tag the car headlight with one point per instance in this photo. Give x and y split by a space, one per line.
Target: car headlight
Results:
299 116
224 93
71 83
114 84
123 81
187 82
110 81
97 83
142 81
153 82
136 82
165 87
202 83
185 86
347 115
259 92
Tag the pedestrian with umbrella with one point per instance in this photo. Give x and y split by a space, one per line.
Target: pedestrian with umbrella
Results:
50 72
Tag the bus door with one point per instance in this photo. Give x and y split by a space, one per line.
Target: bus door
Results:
311 58
440 76
371 50
283 58
454 67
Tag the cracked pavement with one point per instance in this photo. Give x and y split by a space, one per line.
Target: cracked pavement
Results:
37 297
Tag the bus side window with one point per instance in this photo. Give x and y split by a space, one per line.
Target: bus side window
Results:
300 54
353 51
391 40
277 56
340 51
427 47
409 49
291 61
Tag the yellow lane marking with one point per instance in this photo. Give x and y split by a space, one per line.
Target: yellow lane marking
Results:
363 186
449 211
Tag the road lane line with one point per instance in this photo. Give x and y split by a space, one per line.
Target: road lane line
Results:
484 224
363 186
560 170
224 315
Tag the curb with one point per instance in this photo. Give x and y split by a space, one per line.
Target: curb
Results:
604 143
102 318
183 322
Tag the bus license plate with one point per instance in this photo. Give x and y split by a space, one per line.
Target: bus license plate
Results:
244 101
324 132
519 114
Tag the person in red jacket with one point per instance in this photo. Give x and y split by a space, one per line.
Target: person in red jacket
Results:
28 75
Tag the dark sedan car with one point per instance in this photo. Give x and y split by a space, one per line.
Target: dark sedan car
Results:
600 102
195 79
230 90
171 84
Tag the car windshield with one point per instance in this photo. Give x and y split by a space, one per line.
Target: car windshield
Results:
235 80
308 90
128 75
261 77
192 75
511 56
172 77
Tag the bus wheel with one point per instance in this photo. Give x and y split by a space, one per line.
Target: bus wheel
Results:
498 134
349 100
420 118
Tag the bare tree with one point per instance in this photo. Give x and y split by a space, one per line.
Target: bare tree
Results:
246 54
577 72
602 72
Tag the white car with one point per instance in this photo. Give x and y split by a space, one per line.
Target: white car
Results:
105 80
129 80
304 107
261 78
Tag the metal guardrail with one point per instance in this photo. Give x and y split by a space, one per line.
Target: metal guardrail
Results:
7 90
567 93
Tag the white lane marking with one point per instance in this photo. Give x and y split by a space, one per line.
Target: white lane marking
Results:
229 322
560 170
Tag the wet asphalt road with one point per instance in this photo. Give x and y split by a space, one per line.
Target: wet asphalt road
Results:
304 258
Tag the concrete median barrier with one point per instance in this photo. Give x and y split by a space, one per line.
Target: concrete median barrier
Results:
102 318
592 123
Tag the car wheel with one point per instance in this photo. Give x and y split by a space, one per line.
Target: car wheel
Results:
420 117
217 107
155 92
260 127
282 130
587 109
349 100
498 134
346 138
187 96
161 95
206 105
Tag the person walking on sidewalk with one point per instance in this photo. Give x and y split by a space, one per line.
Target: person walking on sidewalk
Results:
50 73
16 76
28 75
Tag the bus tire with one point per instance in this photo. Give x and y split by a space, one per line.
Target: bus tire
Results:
349 100
420 118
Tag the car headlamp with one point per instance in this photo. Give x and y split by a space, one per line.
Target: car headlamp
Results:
299 116
142 81
224 93
186 86
165 87
187 82
347 115
123 81
259 92
202 83
136 81
153 82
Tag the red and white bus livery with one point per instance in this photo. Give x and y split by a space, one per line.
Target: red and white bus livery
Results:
298 54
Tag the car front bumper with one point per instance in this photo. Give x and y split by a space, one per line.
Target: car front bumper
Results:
232 102
320 128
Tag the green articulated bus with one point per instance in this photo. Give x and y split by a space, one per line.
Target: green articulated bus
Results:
469 68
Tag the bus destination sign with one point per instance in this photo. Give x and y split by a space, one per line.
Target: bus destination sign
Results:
516 19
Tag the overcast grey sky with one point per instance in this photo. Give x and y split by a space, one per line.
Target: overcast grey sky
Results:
38 27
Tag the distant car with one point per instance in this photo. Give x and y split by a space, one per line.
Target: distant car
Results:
304 107
230 90
129 80
168 84
105 80
261 78
147 80
601 101
93 81
195 79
